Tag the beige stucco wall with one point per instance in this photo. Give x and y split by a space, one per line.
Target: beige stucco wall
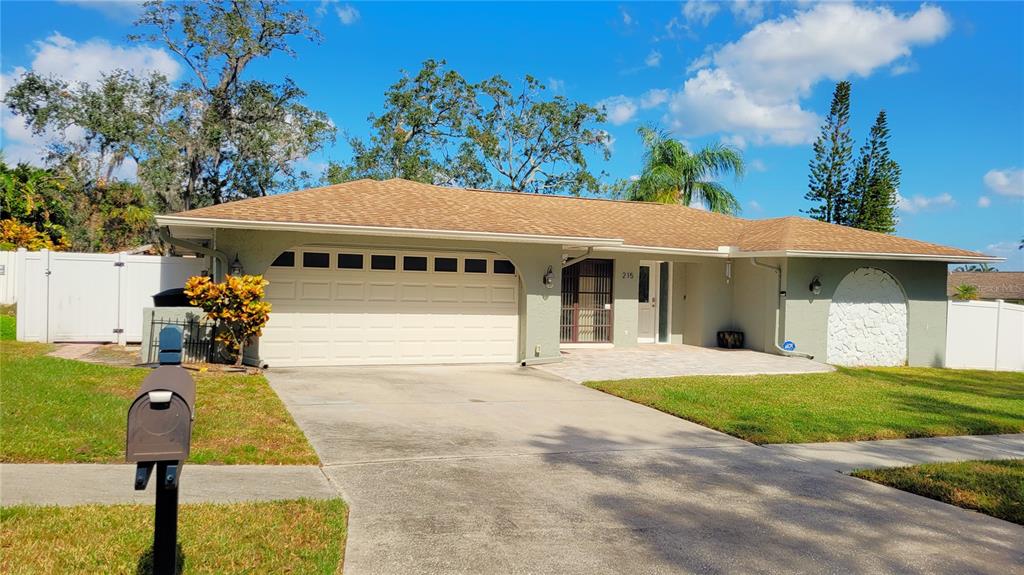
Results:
625 287
707 307
679 299
702 301
924 284
539 305
755 303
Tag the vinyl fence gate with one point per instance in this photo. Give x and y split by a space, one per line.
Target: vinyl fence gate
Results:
77 297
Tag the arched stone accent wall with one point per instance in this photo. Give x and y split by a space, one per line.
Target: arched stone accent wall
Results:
867 320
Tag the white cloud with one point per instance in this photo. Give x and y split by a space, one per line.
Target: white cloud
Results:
754 86
653 60
702 61
1009 250
673 28
120 10
1008 182
1004 248
712 102
748 11
699 12
756 165
74 62
654 98
918 203
904 67
608 139
830 41
754 206
735 141
620 109
556 85
87 61
984 201
627 18
347 14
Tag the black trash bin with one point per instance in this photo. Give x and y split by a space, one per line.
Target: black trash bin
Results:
174 297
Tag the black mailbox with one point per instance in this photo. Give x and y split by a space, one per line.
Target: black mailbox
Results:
160 419
159 435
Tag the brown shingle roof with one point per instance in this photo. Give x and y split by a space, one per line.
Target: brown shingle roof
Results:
991 285
400 203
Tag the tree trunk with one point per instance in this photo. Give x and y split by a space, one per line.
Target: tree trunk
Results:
241 354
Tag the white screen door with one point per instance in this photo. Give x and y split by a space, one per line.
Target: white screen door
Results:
647 296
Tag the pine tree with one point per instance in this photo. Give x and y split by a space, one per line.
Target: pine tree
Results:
872 194
830 171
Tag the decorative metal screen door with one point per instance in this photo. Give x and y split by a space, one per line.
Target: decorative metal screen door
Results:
587 302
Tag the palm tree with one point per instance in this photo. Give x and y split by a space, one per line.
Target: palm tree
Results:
674 175
982 267
966 292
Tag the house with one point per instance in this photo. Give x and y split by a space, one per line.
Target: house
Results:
1007 286
386 272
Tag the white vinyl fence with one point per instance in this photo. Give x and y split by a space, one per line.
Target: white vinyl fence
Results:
985 335
7 278
69 297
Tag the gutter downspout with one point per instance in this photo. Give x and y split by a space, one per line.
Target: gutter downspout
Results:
578 259
778 277
215 255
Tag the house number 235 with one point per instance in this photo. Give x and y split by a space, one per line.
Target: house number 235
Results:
627 275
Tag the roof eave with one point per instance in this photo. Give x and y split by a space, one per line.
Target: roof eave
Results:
883 256
171 220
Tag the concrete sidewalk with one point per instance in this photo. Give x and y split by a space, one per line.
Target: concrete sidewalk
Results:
82 483
847 456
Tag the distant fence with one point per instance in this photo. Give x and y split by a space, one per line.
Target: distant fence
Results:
69 297
8 277
985 335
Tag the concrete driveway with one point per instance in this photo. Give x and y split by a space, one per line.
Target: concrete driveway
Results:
511 470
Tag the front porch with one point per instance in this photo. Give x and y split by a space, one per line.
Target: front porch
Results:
662 360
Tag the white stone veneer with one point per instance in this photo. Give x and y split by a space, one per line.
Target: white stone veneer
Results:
867 320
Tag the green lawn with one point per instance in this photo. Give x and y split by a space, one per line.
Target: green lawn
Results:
846 405
7 318
273 537
995 488
58 410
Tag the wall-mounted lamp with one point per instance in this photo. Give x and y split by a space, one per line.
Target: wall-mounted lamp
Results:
815 286
549 278
728 271
236 267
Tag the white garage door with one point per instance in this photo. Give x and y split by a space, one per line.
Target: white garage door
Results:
352 307
867 320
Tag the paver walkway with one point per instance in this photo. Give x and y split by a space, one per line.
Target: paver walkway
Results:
581 365
79 483
847 456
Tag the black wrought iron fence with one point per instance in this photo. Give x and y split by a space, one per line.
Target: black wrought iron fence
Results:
198 343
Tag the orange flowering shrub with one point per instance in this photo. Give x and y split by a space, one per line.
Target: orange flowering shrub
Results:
14 234
236 304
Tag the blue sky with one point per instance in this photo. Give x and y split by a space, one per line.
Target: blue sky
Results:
756 75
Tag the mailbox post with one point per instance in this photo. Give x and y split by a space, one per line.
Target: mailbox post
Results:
159 435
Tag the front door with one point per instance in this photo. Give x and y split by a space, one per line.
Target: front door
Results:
647 297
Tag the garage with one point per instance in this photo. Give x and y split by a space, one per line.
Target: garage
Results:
339 306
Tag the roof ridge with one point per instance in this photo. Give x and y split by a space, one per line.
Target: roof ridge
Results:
557 196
